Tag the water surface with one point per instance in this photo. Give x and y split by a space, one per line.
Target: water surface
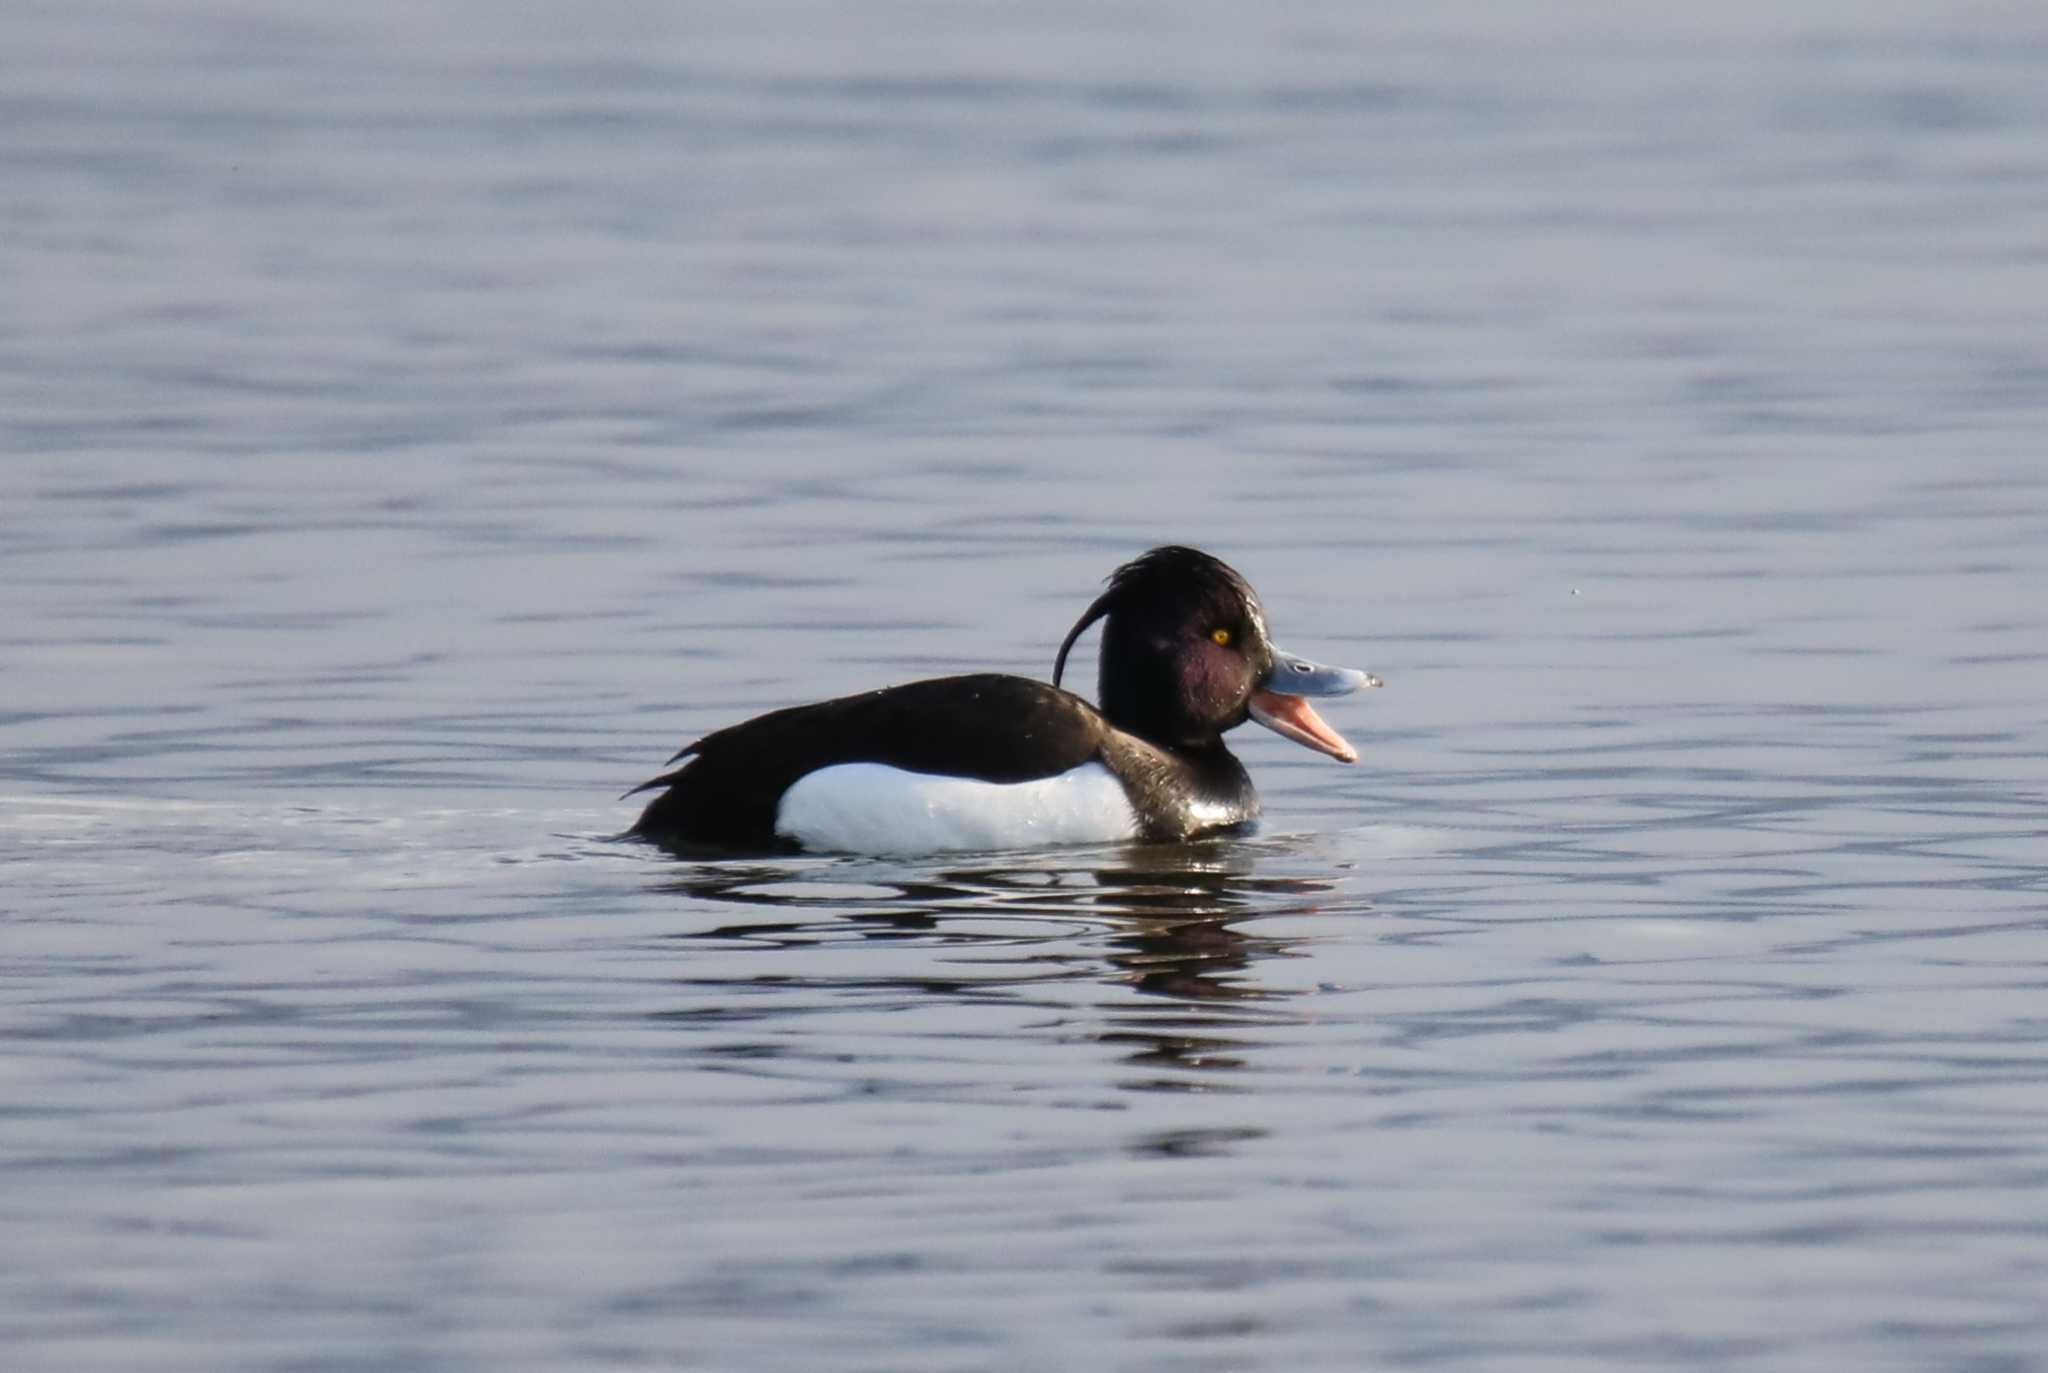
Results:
419 423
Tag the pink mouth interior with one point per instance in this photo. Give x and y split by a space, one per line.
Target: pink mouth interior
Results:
1294 717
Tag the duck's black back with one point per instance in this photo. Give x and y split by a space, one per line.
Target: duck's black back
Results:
989 727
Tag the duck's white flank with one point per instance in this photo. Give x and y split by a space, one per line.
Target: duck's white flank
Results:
872 808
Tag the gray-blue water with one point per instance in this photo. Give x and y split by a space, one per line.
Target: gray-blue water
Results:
417 421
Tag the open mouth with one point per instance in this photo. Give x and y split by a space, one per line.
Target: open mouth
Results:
1295 718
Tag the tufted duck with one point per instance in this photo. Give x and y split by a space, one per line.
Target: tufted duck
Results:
991 761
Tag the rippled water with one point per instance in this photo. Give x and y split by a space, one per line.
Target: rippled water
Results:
420 422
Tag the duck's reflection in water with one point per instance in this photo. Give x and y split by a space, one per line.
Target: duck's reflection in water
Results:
1163 920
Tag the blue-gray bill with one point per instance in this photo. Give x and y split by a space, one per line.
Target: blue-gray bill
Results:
1280 707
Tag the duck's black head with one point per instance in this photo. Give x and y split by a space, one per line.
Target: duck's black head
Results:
1186 656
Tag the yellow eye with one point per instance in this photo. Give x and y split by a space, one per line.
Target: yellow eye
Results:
1221 636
